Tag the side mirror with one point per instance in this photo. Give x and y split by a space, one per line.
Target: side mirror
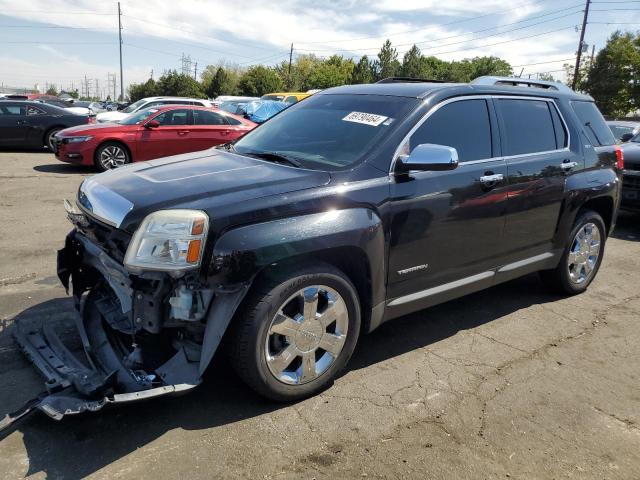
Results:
626 137
152 124
428 157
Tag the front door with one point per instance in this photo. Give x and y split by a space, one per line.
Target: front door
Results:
172 137
535 145
447 227
13 124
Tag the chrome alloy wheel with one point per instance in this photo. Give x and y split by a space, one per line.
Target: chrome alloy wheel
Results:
306 335
584 253
112 156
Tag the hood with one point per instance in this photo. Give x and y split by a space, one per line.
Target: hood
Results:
206 180
110 116
91 129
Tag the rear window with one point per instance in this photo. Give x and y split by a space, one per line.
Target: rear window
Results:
594 126
527 127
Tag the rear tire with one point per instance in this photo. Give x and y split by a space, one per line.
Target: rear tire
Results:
48 138
296 332
582 256
111 155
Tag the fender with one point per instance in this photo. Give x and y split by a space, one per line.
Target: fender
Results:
582 187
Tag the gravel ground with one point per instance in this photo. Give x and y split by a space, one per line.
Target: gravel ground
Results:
508 383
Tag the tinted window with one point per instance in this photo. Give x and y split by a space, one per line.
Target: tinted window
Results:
205 117
173 117
558 126
291 99
620 130
139 117
232 121
593 124
463 125
527 126
329 132
12 109
31 110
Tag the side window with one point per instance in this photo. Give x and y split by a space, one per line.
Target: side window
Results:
205 117
173 118
593 124
13 109
31 110
527 126
291 99
558 126
232 121
464 125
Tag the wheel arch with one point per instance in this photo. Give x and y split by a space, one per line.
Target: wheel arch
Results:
603 206
112 140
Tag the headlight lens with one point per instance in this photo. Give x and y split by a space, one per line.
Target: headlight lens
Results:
78 139
168 240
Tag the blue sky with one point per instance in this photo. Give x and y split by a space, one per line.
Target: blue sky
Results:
51 41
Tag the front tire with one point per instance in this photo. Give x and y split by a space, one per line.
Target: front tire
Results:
296 332
111 155
582 255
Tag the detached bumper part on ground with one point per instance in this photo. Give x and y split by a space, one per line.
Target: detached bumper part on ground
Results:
126 353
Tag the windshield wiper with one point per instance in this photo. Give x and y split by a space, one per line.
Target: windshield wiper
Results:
276 157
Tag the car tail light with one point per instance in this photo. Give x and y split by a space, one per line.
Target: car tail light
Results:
619 157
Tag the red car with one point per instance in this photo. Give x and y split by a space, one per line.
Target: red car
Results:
148 134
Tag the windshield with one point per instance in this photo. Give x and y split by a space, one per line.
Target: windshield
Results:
272 97
133 106
636 139
138 117
328 132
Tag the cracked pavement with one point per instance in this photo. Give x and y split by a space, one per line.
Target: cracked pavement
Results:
512 382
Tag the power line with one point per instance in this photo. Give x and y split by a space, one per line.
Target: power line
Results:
47 42
49 12
542 63
462 35
421 29
56 27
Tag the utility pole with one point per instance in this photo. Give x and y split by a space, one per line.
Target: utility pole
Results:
195 72
290 58
152 74
120 44
576 72
593 52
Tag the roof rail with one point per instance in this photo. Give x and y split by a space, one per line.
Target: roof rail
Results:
525 82
408 80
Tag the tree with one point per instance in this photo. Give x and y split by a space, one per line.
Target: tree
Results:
412 63
220 84
52 90
176 84
387 64
547 77
334 71
614 79
258 80
469 69
142 90
225 86
362 72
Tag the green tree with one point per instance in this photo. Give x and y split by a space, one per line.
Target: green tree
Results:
469 69
412 65
220 84
52 90
614 78
435 69
142 90
172 83
302 69
258 80
362 71
387 64
334 71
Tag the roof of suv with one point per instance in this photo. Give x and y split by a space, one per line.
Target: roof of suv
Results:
486 85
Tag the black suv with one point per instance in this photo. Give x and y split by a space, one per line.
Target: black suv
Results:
355 206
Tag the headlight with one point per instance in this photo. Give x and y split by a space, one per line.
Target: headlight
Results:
77 139
168 240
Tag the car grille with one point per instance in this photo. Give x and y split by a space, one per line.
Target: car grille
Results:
629 181
113 241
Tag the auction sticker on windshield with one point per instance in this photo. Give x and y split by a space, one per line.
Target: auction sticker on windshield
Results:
365 118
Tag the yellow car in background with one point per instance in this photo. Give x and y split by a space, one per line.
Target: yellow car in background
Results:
287 97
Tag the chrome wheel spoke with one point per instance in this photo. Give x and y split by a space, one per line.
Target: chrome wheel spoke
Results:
588 267
572 258
308 368
284 325
310 304
332 343
584 254
283 359
594 248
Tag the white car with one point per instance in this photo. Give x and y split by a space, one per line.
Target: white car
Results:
231 98
147 103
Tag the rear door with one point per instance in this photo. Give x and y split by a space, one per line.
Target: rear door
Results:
535 143
13 123
447 227
172 137
209 129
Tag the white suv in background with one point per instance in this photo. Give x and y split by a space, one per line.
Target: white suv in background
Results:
147 103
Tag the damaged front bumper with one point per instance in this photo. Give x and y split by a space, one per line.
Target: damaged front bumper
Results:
141 336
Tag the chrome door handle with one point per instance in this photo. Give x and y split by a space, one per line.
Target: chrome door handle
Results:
491 179
568 165
183 132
